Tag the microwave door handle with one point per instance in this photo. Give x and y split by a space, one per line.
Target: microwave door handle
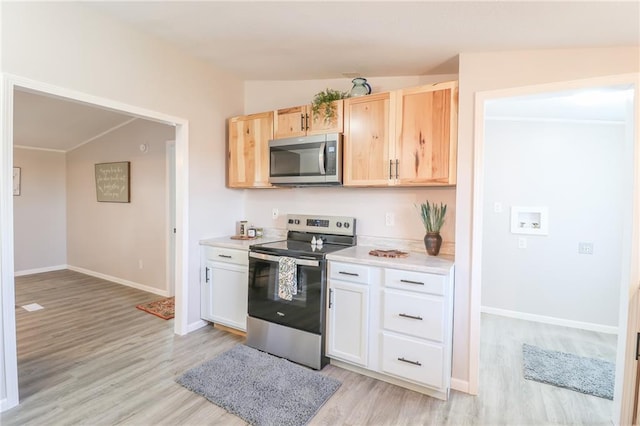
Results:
321 158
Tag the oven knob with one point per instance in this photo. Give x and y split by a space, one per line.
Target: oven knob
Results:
339 224
346 225
297 221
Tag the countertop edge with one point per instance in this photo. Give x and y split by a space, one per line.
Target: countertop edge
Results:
416 261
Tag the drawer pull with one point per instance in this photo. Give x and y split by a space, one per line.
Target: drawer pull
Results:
410 362
226 256
410 316
353 274
411 282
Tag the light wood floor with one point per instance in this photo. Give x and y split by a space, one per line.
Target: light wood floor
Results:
91 358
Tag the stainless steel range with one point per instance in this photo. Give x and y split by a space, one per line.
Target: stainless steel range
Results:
288 284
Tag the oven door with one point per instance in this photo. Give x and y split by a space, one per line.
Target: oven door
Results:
304 311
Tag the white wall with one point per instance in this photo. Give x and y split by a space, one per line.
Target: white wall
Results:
501 70
263 96
573 169
70 46
112 238
367 205
39 212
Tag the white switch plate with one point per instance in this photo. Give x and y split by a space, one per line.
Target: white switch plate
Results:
274 213
522 242
585 248
390 219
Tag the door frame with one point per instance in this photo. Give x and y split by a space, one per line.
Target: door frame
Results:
171 224
8 83
623 399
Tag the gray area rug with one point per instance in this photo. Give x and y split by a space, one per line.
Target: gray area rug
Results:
260 388
587 375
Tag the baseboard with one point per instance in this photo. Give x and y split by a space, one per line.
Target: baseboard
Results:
196 325
5 404
460 385
117 280
551 320
40 270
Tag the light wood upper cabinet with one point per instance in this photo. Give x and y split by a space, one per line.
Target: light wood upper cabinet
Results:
248 150
405 137
367 137
301 121
426 135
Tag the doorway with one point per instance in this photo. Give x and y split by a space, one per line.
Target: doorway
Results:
569 237
7 297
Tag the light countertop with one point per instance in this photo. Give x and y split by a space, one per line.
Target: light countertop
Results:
227 242
416 261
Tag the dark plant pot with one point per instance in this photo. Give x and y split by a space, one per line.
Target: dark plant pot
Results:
433 242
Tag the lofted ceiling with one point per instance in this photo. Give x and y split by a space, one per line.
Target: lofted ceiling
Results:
299 40
53 123
266 40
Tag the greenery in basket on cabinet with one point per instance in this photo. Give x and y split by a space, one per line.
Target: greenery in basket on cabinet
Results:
323 102
432 216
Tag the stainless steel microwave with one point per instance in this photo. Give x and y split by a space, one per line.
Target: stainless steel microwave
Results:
308 160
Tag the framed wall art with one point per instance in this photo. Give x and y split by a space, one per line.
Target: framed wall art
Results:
112 182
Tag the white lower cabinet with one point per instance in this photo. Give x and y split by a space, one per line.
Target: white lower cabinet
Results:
348 319
392 324
348 313
412 359
224 287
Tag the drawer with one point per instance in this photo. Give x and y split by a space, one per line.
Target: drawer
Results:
413 360
226 255
418 315
415 281
349 272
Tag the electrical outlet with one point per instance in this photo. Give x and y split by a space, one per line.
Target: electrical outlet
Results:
274 214
585 248
497 207
522 243
390 219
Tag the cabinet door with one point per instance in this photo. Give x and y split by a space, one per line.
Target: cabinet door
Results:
229 294
291 122
206 295
348 319
426 135
248 147
367 134
319 123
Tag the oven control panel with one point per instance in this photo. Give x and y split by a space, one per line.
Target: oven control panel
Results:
339 225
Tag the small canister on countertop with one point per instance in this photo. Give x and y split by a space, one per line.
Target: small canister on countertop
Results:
242 228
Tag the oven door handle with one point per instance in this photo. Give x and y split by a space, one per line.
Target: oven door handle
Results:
270 258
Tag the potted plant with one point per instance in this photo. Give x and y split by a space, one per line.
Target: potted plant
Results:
323 103
432 217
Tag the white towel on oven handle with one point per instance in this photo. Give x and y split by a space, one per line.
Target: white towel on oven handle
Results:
287 278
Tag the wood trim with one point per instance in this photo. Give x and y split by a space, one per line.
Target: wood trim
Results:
229 330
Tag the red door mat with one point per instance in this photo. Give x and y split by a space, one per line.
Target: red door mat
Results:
163 308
